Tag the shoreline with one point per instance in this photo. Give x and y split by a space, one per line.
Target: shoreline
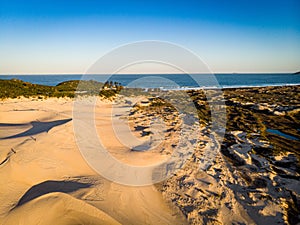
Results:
74 88
233 87
220 81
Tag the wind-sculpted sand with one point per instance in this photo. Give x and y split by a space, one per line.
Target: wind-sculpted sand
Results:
247 179
45 180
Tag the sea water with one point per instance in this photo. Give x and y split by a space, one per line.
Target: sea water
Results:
169 81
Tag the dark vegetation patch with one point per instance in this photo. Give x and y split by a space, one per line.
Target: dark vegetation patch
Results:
15 88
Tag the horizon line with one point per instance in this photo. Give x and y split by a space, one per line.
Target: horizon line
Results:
51 74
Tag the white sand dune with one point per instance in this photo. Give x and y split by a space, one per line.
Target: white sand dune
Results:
60 209
45 179
36 168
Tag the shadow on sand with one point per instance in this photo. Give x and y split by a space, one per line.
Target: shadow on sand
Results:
37 127
49 187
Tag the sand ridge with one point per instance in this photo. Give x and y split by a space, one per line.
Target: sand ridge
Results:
45 166
48 160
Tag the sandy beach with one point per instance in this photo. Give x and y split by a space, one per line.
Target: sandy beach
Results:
45 178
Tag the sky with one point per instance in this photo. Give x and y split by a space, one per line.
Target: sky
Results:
61 37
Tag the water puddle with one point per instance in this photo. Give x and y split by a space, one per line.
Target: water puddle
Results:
277 132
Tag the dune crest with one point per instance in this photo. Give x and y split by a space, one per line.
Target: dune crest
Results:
57 208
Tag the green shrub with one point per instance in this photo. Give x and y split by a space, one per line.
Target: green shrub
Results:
15 88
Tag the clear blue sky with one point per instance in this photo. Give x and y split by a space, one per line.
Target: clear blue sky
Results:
68 36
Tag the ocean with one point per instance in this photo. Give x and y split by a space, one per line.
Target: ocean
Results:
170 81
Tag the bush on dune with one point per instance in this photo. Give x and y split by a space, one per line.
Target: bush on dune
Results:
15 88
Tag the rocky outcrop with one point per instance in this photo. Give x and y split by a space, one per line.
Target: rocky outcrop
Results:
243 187
248 178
